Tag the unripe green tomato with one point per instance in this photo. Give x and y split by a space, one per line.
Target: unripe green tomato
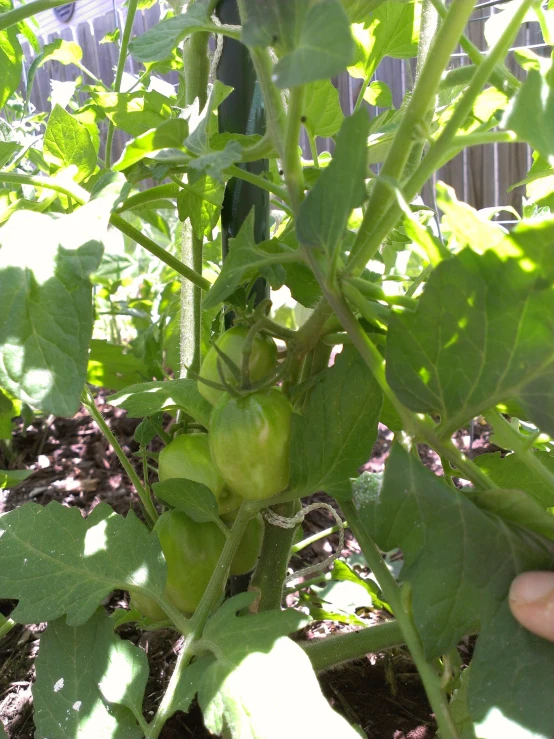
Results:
262 360
249 441
250 545
188 457
148 607
191 550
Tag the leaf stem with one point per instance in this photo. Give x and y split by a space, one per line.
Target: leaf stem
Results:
292 166
163 255
255 179
147 196
146 500
363 88
332 650
79 194
11 17
196 624
392 595
125 38
316 537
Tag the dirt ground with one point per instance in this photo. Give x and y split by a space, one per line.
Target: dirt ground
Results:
73 464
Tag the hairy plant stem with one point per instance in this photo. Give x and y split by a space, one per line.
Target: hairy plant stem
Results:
501 77
145 499
375 230
521 446
256 179
292 166
410 636
414 118
271 570
196 624
125 38
163 255
332 650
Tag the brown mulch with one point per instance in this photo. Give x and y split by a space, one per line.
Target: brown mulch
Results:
73 464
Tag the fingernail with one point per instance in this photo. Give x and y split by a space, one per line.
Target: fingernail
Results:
531 587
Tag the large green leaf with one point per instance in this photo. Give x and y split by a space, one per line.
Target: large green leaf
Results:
134 112
168 135
338 429
67 143
149 398
67 700
46 308
511 472
392 29
55 562
159 41
11 56
60 50
110 366
267 23
325 211
459 558
482 333
531 113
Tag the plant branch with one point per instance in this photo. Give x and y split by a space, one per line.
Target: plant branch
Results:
125 38
317 536
332 650
79 194
12 17
392 595
146 500
147 196
292 166
258 181
163 255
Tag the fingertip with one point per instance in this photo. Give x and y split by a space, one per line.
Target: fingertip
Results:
532 602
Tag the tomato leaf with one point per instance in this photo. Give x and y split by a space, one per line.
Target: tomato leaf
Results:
13 478
11 56
168 135
531 113
324 213
148 398
134 112
56 562
322 109
46 308
193 498
488 340
511 472
110 366
337 431
201 202
66 694
68 144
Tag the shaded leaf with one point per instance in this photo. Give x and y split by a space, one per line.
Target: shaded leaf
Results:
13 478
11 56
338 429
149 398
56 562
110 366
66 697
193 498
510 471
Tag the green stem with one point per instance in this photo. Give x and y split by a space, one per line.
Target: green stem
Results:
148 196
76 192
363 88
163 255
313 149
6 627
373 232
327 577
414 117
520 445
11 17
91 75
276 116
392 595
459 143
146 500
261 150
332 650
316 537
373 291
196 624
255 179
309 333
125 38
271 570
292 166
501 77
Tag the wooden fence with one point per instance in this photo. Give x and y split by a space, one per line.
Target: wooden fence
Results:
481 175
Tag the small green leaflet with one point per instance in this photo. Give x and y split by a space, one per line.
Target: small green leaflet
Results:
338 429
66 695
201 202
168 135
134 112
244 260
55 562
11 56
489 340
268 23
149 398
322 109
158 42
60 50
324 213
192 498
67 143
511 472
13 478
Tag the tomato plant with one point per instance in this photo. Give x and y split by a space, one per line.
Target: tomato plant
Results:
263 309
